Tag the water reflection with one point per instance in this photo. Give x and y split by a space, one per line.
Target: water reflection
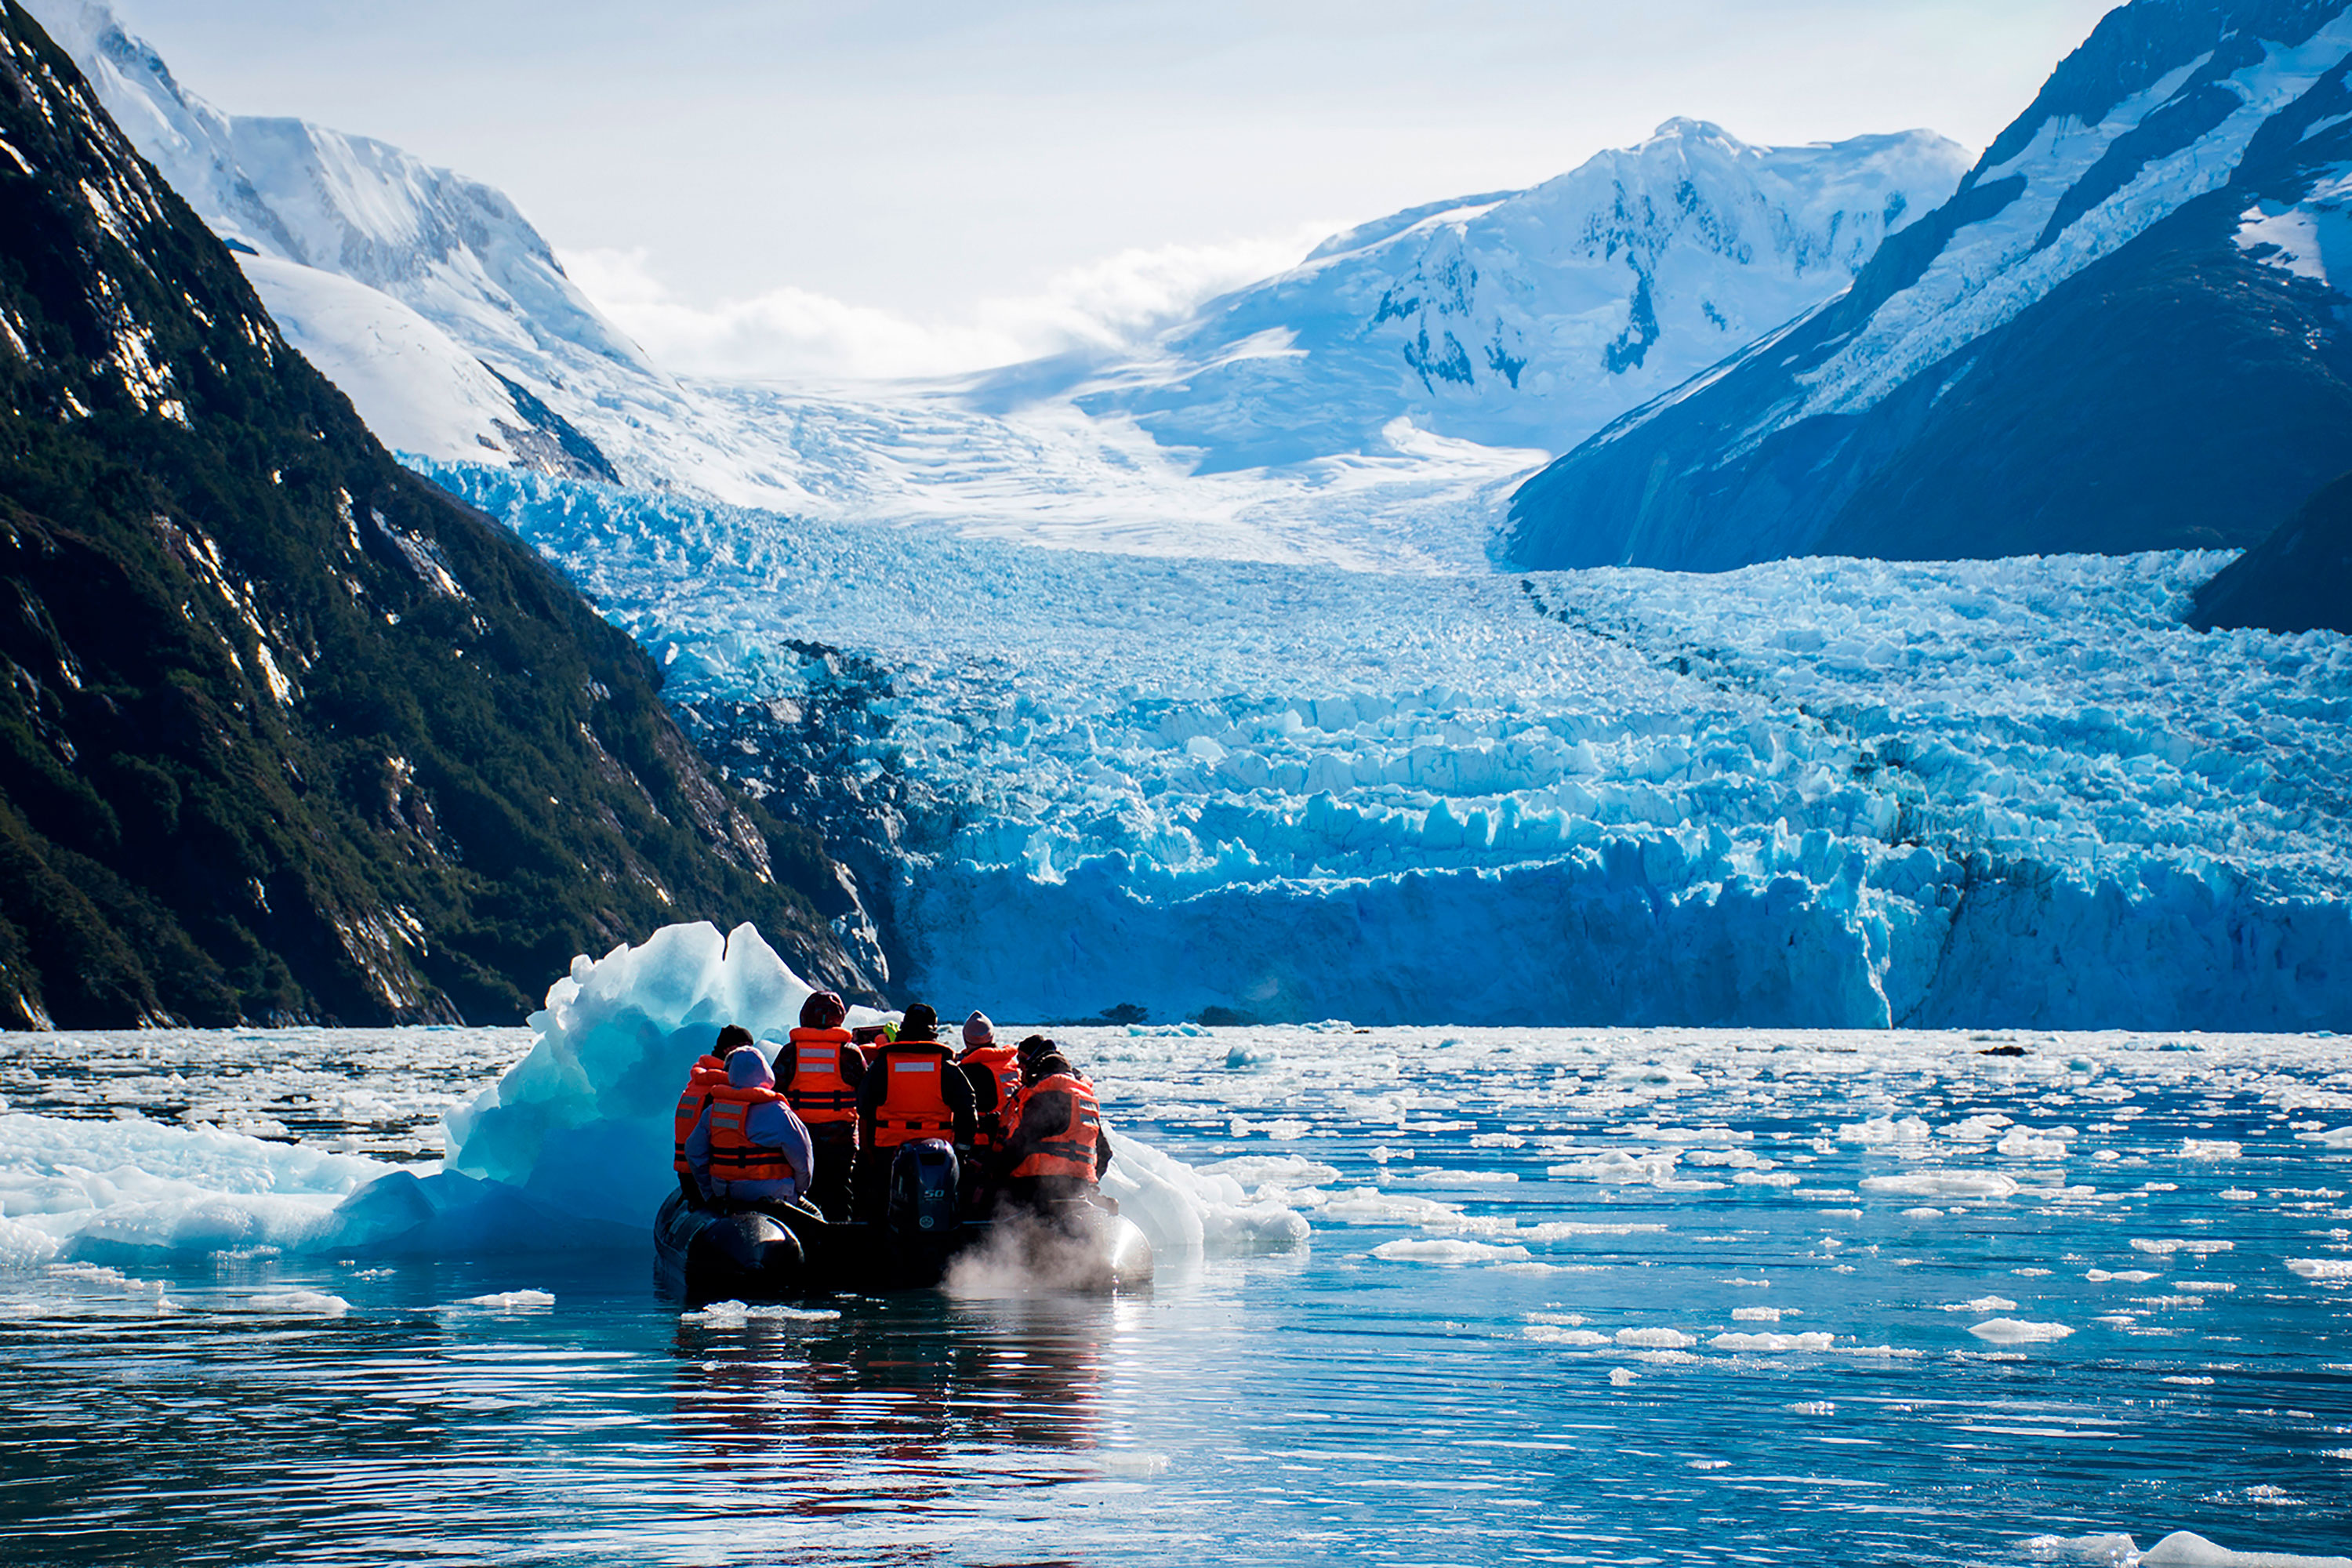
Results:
895 1387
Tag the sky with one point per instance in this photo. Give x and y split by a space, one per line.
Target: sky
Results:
917 186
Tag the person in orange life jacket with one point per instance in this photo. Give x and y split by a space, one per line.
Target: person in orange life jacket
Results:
819 1070
749 1148
995 1074
913 1089
707 1074
1057 1151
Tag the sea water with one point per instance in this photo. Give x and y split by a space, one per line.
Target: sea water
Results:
1564 1296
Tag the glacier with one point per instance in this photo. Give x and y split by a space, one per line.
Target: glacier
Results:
1821 793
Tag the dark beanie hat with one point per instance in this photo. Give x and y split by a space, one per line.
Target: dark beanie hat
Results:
920 1023
823 1010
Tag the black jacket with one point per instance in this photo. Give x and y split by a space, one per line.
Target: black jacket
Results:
954 1087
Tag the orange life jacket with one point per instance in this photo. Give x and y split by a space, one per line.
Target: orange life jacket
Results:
818 1091
1071 1151
733 1156
708 1074
914 1105
1003 1064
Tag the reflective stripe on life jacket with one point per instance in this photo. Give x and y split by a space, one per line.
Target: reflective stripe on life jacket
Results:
1071 1151
913 1105
708 1074
818 1091
733 1156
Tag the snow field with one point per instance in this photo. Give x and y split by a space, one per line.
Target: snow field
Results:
1837 792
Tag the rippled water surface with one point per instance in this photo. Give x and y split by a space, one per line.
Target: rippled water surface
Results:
1568 1295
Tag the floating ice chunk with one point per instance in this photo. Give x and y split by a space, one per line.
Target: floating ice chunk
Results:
1547 1333
2024 1143
2183 1549
295 1304
2211 1148
1765 1178
2163 1247
1983 1304
1656 1339
2107 1551
509 1301
1185 1210
1756 1314
1943 1184
1923 1213
1621 1377
1615 1165
1288 1172
2127 1275
2332 1138
1448 1250
1882 1130
2019 1331
736 1314
22 1246
1770 1343
2321 1267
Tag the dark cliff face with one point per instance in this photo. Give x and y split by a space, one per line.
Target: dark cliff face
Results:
2182 391
2297 579
285 731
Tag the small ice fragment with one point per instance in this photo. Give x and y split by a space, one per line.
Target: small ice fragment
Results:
1446 1251
2184 1549
2322 1267
2019 1331
1772 1343
2106 1551
1984 1304
1658 1339
1923 1213
1813 1407
735 1314
299 1303
509 1301
1620 1377
2211 1148
2163 1246
1756 1314
2332 1137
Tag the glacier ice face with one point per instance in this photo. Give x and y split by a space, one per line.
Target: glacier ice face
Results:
1814 792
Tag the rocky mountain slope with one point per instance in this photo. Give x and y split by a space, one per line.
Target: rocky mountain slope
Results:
2123 333
288 733
2297 579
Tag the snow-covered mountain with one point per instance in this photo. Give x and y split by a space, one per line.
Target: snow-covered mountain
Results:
1533 317
426 296
2123 333
1367 403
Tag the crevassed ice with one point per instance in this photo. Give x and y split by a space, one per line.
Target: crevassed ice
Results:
1833 793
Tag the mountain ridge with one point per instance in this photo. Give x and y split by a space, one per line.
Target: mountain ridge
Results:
288 733
2083 349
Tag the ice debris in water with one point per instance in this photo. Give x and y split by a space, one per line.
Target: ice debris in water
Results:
509 1301
2182 1548
584 1120
2020 1331
296 1303
736 1314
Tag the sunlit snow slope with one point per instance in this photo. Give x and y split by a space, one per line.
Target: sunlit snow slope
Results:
1812 793
1533 317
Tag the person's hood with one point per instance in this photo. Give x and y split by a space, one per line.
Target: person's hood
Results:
747 1069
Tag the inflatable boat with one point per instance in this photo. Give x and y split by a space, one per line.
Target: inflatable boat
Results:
704 1253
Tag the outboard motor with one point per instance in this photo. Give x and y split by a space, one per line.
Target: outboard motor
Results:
924 1182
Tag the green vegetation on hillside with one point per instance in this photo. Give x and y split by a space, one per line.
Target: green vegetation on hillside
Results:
287 732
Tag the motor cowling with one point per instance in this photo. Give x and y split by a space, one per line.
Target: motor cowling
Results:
924 1184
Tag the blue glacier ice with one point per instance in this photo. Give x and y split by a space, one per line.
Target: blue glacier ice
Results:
1821 793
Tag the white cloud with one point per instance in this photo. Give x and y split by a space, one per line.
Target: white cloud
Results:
1101 306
